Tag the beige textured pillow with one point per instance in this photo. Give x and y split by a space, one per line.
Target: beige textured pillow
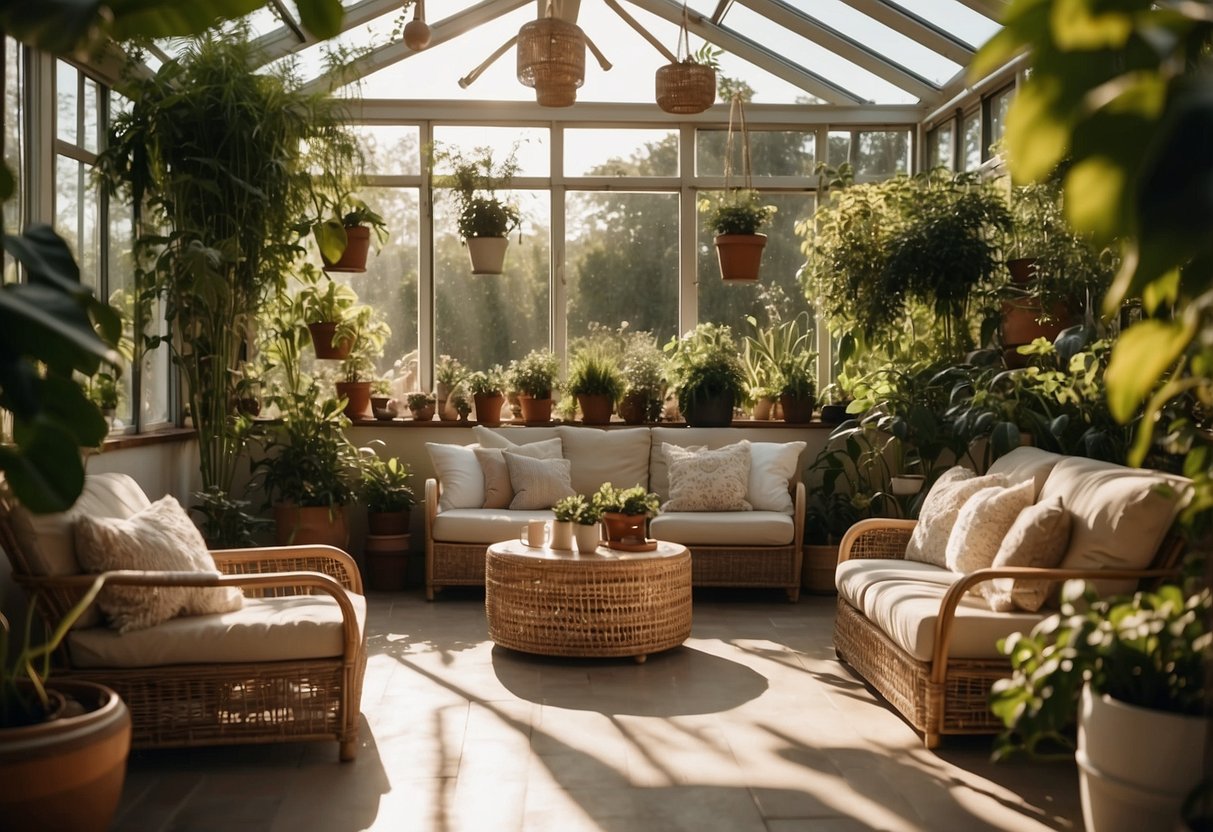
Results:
929 540
498 492
538 483
708 480
1039 537
983 522
160 537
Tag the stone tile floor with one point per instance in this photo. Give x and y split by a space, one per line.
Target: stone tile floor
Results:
751 725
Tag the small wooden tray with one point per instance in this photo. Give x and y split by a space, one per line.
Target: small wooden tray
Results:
649 545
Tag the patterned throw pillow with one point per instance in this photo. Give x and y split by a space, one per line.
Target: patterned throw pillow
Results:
1039 537
708 480
161 537
983 522
929 540
538 483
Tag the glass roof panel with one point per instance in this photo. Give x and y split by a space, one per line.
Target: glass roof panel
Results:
310 62
972 27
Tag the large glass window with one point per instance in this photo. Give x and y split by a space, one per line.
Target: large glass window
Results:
970 149
882 152
999 103
13 149
941 146
605 152
391 279
772 153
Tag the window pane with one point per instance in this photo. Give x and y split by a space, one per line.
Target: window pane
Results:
67 204
593 152
622 262
772 152
883 153
777 289
92 116
66 78
533 153
939 146
999 103
120 271
970 157
12 140
390 282
839 145
390 148
489 319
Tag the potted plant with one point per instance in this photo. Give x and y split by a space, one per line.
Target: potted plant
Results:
735 217
387 492
383 406
344 237
687 85
535 376
797 386
595 379
706 374
585 517
329 310
487 388
63 743
625 512
460 403
370 333
764 356
1132 672
421 405
834 403
485 220
225 521
448 373
642 364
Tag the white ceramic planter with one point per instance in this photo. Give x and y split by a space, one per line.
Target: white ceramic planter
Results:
487 254
1136 765
904 485
562 535
587 536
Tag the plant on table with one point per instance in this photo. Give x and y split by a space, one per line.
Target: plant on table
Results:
578 509
635 500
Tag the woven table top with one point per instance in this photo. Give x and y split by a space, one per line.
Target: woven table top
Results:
516 548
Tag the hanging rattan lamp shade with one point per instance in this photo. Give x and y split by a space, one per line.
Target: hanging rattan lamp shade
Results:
551 58
685 87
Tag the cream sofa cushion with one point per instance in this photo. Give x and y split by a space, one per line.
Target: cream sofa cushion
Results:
854 578
773 468
1026 463
460 474
929 540
504 438
1039 537
737 528
983 522
538 483
708 480
659 474
161 537
264 629
907 611
498 490
1120 515
482 525
620 457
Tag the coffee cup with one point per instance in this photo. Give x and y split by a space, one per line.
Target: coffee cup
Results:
535 533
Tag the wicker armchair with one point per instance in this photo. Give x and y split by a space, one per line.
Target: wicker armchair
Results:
313 694
946 694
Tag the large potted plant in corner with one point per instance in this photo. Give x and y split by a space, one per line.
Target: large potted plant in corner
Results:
1132 672
485 220
387 493
535 377
595 380
706 375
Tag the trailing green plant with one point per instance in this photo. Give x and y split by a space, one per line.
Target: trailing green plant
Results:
704 364
594 372
1149 650
475 178
386 483
536 374
736 211
226 522
634 500
577 509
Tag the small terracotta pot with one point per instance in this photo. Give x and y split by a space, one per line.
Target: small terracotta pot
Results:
740 256
357 246
488 408
624 528
322 341
535 410
357 395
595 409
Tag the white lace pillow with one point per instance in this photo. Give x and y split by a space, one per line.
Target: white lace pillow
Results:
161 537
538 483
983 522
929 540
1039 537
708 480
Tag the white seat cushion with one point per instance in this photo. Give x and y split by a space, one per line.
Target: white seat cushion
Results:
733 528
264 629
906 611
853 578
1026 463
483 525
620 457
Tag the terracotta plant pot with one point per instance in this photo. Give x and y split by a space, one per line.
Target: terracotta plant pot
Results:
67 773
322 341
595 408
796 410
387 560
763 408
535 410
357 246
624 528
299 525
358 398
387 522
487 254
488 408
740 256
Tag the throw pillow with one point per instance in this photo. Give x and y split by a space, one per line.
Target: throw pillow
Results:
929 540
1039 537
498 492
538 483
772 466
983 522
708 480
161 537
460 475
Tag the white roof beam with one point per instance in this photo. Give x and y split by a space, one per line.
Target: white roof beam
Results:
917 28
992 9
753 52
843 45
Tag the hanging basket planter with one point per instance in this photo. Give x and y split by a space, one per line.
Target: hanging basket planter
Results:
551 58
685 87
357 247
487 254
740 256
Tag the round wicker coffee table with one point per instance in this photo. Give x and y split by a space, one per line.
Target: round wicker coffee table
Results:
604 603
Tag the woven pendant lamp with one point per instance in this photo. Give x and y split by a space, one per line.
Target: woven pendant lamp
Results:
551 58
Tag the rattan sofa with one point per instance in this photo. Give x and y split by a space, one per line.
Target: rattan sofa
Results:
728 549
286 667
916 634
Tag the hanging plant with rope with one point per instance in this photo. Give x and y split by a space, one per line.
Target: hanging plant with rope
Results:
687 84
736 214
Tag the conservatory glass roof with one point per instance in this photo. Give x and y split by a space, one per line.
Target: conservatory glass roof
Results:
841 52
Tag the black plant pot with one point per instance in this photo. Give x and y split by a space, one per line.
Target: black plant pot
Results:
710 412
833 414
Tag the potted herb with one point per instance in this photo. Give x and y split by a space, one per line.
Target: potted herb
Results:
706 374
595 379
448 374
797 386
585 516
104 391
642 365
535 376
1131 671
735 217
421 405
764 356
625 512
485 220
488 394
